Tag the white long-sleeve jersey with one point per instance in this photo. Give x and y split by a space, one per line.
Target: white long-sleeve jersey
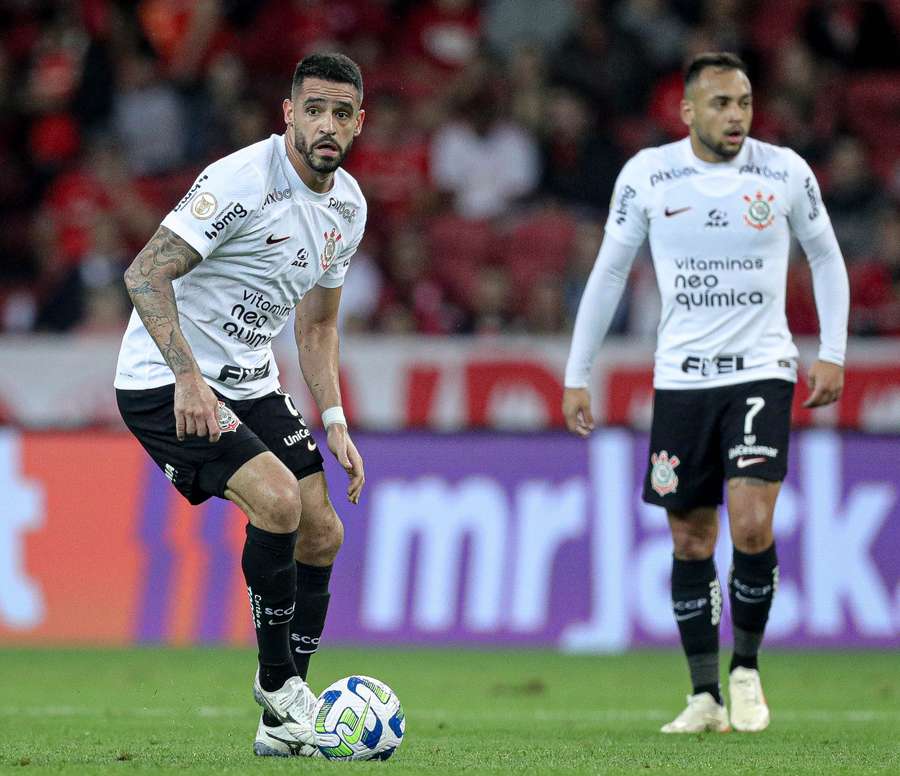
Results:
719 237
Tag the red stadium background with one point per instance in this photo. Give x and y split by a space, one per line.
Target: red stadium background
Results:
491 145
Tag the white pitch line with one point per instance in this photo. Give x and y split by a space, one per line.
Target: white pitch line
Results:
651 715
594 716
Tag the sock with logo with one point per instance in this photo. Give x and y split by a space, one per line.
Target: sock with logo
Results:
309 615
697 604
309 619
271 576
751 587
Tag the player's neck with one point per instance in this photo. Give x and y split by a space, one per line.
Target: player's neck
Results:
315 181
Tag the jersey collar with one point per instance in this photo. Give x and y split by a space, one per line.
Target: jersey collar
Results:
694 161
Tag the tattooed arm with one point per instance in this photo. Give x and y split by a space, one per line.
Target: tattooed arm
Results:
149 283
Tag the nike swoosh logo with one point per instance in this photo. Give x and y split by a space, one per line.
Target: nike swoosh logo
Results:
273 240
743 463
670 213
354 735
746 600
293 743
683 617
280 622
310 445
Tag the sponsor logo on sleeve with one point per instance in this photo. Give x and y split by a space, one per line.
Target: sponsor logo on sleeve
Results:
232 212
662 474
813 196
626 195
203 205
191 191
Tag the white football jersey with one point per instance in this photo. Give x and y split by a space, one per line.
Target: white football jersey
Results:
719 236
266 239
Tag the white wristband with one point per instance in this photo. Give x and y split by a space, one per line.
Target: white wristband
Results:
333 415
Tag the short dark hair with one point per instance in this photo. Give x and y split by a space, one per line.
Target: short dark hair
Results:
723 60
329 67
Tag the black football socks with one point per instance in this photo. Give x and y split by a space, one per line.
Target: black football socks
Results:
311 606
309 615
697 605
751 588
271 576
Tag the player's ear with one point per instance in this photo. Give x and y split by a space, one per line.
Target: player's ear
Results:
288 108
686 111
360 118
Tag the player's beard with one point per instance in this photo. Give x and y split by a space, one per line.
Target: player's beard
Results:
321 165
725 153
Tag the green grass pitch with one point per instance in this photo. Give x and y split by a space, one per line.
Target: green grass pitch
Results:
190 710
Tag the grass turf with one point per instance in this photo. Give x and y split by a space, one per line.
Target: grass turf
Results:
166 710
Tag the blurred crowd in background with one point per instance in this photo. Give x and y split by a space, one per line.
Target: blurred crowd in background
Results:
494 133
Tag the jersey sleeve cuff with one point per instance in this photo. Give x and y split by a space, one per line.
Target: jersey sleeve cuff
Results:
196 242
575 378
831 356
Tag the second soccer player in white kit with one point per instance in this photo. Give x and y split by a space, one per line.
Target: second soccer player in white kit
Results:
719 209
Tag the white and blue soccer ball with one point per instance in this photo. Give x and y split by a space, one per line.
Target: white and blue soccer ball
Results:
359 718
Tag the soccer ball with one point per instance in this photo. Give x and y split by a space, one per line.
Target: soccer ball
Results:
359 718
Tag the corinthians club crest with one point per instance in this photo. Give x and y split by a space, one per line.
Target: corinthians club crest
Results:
332 239
760 213
662 476
228 421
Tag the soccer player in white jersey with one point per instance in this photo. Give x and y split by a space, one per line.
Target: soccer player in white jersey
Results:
262 232
719 209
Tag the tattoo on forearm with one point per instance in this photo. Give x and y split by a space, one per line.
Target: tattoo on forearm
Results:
149 283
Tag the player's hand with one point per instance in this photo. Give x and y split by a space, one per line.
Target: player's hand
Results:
576 409
195 408
826 382
348 456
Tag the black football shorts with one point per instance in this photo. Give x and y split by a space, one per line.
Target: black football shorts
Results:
701 437
199 468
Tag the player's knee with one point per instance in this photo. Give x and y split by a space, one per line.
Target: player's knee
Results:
321 535
694 548
693 542
282 510
752 538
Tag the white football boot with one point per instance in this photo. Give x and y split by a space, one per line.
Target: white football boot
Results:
292 705
749 711
701 715
276 741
